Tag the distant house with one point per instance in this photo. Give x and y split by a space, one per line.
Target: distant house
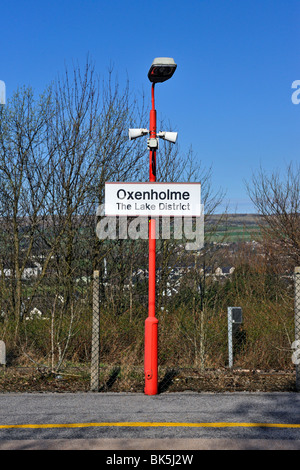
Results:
34 313
227 270
224 271
31 270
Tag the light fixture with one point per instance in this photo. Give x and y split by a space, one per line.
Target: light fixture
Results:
162 68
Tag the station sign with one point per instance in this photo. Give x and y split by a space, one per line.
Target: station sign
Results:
153 199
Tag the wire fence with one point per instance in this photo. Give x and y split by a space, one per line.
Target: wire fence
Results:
196 334
242 322
95 350
296 344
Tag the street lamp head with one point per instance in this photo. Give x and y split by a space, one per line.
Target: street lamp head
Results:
162 69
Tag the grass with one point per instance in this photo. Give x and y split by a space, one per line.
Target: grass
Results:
234 234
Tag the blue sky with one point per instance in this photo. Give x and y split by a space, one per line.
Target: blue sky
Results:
230 97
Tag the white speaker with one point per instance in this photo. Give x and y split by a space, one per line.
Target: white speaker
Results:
135 133
169 136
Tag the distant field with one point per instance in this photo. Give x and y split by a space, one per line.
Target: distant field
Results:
235 234
233 227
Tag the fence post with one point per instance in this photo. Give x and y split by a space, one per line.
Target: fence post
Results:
230 348
297 323
95 354
2 353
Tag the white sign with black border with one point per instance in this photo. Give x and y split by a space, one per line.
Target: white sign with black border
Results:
153 199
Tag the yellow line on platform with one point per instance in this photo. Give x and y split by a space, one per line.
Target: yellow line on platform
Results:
149 425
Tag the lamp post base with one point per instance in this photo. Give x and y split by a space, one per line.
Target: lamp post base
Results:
151 343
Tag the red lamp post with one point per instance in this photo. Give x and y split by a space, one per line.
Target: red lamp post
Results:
161 69
151 323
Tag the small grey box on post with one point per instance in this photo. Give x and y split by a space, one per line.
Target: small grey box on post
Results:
235 318
2 353
237 315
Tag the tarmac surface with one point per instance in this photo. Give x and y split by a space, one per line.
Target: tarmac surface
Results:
134 421
150 444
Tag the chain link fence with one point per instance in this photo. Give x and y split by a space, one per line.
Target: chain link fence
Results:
99 330
198 333
95 351
296 344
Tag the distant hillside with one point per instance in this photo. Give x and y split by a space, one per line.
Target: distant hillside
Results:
233 227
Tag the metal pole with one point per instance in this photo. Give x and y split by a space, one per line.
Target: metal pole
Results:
297 324
151 323
2 353
230 349
95 354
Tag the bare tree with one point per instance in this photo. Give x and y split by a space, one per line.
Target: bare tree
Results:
277 198
89 132
56 152
24 182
